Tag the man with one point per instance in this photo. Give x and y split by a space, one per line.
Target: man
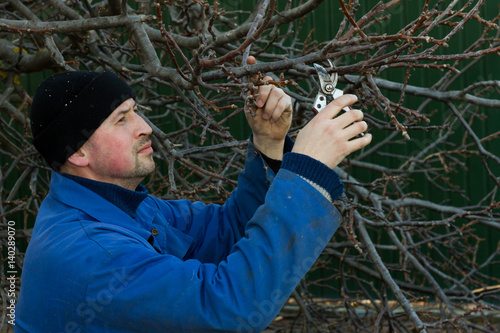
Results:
107 257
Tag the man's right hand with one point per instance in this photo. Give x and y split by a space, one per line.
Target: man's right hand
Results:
271 119
328 138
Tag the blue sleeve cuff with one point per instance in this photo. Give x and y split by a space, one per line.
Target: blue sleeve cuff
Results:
288 144
315 172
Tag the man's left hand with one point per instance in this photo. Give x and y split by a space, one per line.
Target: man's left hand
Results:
271 120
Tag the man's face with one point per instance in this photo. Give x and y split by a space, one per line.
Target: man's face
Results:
119 151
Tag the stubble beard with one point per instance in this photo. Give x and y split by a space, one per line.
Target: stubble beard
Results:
143 168
144 165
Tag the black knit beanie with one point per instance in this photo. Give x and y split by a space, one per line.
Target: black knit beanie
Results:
68 107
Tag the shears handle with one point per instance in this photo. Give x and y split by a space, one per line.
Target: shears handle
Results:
321 101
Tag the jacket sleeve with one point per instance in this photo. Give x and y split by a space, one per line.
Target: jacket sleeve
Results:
141 290
214 228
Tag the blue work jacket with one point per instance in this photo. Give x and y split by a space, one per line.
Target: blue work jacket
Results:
178 266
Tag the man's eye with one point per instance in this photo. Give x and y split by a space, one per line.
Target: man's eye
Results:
121 120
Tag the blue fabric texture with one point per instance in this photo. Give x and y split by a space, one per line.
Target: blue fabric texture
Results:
308 168
314 171
176 266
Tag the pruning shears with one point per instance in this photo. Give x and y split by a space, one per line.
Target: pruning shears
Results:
327 88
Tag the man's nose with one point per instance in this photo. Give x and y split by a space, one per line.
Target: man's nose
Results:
143 129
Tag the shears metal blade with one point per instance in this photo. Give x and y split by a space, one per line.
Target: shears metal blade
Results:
327 88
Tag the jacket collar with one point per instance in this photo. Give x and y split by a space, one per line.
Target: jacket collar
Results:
125 199
73 194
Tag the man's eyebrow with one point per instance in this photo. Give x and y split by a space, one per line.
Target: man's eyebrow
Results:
123 111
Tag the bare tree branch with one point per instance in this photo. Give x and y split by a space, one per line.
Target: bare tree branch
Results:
187 62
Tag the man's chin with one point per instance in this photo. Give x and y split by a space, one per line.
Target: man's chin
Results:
144 169
151 167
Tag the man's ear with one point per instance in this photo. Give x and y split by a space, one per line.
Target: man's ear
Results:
79 159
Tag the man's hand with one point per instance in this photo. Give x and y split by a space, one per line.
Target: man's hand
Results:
328 138
272 119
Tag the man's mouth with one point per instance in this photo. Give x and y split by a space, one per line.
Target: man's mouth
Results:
146 149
